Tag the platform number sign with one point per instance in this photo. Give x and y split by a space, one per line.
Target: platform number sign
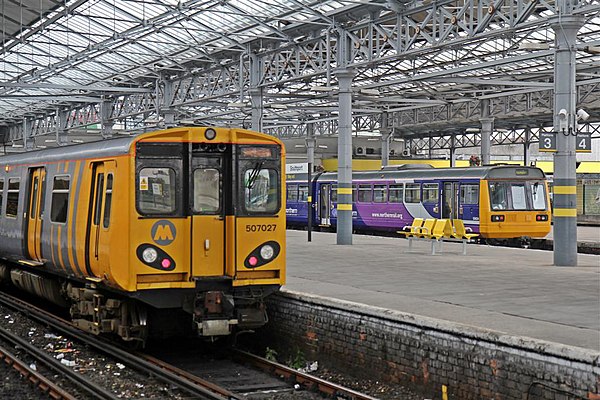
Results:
583 143
547 142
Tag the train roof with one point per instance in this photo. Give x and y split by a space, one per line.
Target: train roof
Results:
484 172
102 148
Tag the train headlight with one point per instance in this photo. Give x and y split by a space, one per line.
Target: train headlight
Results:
150 255
267 252
210 134
497 218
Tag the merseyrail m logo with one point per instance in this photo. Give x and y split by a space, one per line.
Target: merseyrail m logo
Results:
163 232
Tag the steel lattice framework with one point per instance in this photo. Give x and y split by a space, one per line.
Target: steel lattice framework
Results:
90 69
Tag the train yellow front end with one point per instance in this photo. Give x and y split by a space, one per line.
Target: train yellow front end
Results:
174 231
206 225
514 202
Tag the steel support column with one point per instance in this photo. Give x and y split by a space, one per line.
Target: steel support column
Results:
452 152
565 26
28 139
166 108
256 93
526 151
61 127
344 207
385 139
106 124
487 126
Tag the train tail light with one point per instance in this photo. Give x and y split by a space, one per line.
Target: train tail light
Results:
497 218
541 217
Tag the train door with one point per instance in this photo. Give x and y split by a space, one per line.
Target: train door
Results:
208 214
450 200
325 205
37 181
97 235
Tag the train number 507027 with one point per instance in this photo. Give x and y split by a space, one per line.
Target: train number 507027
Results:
261 228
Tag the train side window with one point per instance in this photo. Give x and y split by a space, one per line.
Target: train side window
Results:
1 194
207 190
380 193
431 193
538 193
302 192
60 199
107 200
156 190
469 194
365 194
334 194
292 193
412 193
396 193
12 197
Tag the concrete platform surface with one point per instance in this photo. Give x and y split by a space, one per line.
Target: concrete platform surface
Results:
513 291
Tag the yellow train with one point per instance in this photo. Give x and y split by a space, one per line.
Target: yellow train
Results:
170 231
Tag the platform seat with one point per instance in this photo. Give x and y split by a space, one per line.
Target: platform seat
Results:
460 232
411 230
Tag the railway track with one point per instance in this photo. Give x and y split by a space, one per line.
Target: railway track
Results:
240 376
127 358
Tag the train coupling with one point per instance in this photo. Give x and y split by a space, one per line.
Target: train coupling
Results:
216 314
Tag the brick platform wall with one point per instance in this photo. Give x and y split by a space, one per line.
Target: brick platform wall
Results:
411 350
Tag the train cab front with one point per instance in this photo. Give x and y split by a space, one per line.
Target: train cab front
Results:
225 239
237 232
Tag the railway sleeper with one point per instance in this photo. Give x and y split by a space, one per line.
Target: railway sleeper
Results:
93 312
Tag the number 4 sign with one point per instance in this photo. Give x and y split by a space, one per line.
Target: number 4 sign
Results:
583 143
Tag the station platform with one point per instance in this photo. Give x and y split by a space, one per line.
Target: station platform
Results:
508 290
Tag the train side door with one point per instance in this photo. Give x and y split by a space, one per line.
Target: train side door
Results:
325 205
450 200
97 235
37 182
208 177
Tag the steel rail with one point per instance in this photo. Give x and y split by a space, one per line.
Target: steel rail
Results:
79 380
35 377
132 360
209 385
309 381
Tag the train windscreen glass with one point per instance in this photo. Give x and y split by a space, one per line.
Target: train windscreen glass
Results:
156 191
517 196
261 189
538 193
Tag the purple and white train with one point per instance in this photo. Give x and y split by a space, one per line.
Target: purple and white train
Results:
497 201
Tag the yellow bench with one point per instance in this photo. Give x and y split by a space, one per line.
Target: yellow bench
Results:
438 230
410 230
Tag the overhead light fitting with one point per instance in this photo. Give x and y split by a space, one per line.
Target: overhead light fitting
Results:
533 46
472 130
369 92
236 104
278 106
317 88
322 146
592 49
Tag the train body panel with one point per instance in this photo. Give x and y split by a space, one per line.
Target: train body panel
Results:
388 200
193 213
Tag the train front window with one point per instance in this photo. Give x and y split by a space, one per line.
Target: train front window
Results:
207 190
538 193
519 199
156 191
261 188
499 195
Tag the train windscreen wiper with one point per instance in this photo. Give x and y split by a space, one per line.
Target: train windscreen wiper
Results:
254 174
